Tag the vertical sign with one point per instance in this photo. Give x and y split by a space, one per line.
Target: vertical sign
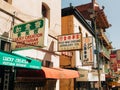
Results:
114 62
87 51
30 34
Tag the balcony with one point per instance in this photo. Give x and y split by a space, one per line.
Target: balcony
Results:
105 52
104 38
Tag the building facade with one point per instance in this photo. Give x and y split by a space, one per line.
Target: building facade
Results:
82 59
31 33
12 12
113 79
93 68
95 14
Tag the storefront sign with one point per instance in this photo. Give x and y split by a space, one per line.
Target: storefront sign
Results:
83 75
8 59
93 76
90 76
114 63
69 42
30 34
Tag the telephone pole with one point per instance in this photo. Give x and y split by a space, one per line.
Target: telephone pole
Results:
97 43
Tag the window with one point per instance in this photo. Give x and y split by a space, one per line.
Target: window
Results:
86 35
5 46
80 29
45 11
9 1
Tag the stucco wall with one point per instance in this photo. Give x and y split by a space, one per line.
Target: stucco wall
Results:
33 9
84 31
28 10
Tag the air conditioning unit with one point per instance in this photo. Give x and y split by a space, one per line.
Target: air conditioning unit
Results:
47 63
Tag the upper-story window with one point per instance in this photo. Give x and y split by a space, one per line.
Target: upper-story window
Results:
86 35
45 11
9 1
5 45
80 29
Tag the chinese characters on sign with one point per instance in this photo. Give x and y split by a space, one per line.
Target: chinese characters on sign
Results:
87 51
30 34
69 42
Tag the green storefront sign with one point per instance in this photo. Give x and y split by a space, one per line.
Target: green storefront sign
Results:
27 27
9 59
30 34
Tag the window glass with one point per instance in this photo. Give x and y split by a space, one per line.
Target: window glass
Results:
9 1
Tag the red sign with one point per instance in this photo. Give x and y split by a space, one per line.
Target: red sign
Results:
114 62
112 55
118 63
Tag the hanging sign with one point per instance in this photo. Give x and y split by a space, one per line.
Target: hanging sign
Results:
69 42
30 34
87 51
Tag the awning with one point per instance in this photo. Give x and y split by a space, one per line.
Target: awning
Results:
58 73
53 73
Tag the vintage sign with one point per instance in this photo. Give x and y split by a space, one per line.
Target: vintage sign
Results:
9 59
87 51
89 76
30 34
93 76
113 61
69 42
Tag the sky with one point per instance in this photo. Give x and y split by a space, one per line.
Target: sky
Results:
112 13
